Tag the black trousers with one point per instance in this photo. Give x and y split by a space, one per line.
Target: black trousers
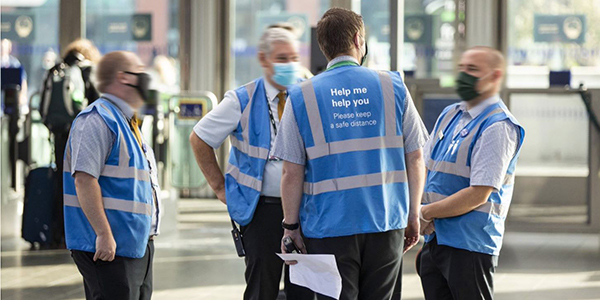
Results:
262 239
449 273
368 263
123 279
58 220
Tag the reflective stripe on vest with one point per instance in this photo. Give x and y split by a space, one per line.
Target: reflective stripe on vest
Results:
353 182
496 209
244 121
115 204
243 179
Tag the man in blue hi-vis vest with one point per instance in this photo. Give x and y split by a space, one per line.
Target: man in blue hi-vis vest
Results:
111 193
353 170
471 159
250 116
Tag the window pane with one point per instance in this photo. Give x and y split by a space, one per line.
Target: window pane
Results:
33 31
376 16
148 28
555 35
429 39
252 17
552 186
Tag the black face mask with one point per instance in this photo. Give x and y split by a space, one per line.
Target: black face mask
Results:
143 84
466 86
364 58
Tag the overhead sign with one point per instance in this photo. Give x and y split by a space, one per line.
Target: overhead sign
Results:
298 21
559 28
417 29
137 27
18 27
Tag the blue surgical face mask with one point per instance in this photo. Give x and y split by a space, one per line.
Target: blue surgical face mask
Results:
286 74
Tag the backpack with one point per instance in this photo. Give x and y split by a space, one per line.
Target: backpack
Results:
63 96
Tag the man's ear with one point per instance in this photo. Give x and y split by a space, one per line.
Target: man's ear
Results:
262 58
122 78
357 40
498 75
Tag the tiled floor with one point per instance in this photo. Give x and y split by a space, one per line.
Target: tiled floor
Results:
199 262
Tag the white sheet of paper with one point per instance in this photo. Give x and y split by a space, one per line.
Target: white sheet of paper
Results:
317 272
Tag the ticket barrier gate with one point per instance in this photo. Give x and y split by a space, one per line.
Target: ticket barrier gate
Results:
186 110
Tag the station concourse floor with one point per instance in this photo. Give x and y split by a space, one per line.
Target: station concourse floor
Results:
199 262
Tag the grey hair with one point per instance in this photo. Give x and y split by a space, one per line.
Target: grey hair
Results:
276 35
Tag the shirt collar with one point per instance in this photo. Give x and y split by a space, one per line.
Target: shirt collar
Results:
271 91
341 59
127 110
474 112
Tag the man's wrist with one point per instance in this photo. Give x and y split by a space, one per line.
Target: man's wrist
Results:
290 226
423 216
105 234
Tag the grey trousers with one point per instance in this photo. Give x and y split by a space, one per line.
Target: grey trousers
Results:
123 278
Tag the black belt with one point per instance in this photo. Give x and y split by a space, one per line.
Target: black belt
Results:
269 200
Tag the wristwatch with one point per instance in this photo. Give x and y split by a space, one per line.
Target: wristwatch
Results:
290 226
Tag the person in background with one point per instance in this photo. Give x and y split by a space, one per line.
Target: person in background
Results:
111 192
250 115
303 71
164 75
68 88
471 159
9 61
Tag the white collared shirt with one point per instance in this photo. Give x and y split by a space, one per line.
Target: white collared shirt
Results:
492 152
341 59
219 123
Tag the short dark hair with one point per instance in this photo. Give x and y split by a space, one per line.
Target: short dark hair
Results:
336 30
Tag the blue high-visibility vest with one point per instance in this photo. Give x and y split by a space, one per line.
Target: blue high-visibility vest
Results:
449 171
250 144
126 191
350 120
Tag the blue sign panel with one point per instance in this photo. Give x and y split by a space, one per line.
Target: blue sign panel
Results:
123 28
559 28
18 27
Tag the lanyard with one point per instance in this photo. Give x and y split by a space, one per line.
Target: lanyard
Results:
271 117
341 64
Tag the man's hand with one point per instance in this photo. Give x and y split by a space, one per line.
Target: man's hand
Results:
106 247
411 233
296 236
428 229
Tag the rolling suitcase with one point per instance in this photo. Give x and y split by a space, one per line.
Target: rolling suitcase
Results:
38 206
